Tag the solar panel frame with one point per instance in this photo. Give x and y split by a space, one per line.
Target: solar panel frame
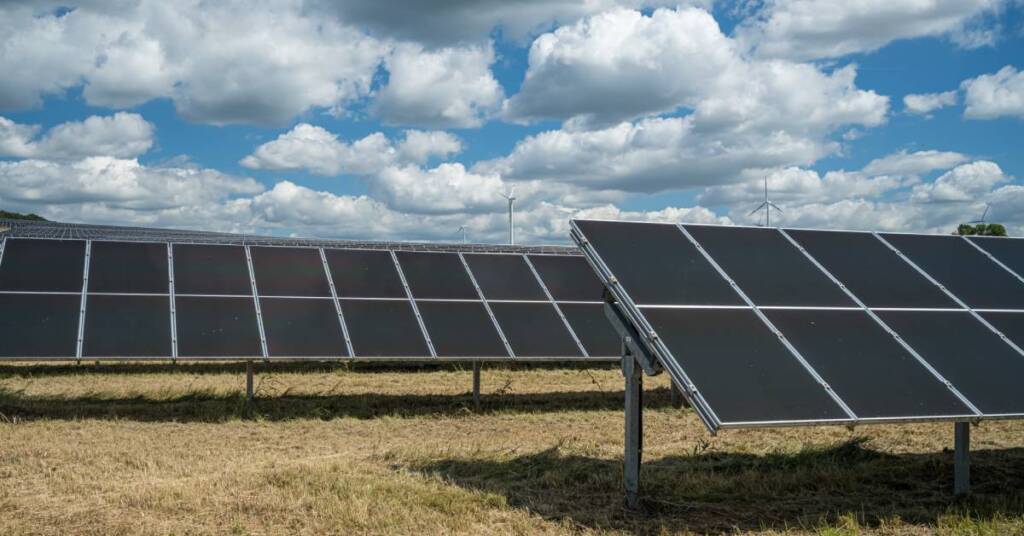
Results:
337 304
1006 264
68 281
558 309
506 268
487 307
412 303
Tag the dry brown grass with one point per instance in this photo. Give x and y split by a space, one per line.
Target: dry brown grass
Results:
160 449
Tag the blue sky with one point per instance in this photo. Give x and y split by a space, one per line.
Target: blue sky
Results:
225 118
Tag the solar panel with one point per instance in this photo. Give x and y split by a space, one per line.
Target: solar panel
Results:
128 326
128 267
872 271
289 272
768 268
967 353
964 270
461 329
42 265
364 273
217 327
1009 251
302 327
504 277
865 365
384 328
590 325
210 269
1009 324
568 277
657 264
535 330
38 325
436 276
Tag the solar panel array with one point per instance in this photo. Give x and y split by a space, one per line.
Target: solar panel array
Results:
102 299
771 327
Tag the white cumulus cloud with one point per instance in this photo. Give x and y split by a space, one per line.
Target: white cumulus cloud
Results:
995 95
926 103
122 135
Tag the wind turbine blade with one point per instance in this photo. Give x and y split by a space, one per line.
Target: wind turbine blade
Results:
759 207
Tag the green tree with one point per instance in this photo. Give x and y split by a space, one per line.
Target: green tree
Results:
4 215
981 229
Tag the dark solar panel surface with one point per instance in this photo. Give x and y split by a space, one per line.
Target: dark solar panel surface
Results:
39 325
210 269
967 353
740 367
1009 324
1009 251
769 269
593 329
289 272
384 328
128 267
364 274
504 277
461 329
872 271
568 278
436 276
656 264
535 330
964 270
300 327
217 327
43 265
869 369
127 326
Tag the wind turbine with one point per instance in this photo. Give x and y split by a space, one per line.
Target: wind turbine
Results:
462 229
767 206
511 196
983 214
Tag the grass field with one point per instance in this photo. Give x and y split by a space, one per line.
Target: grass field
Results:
166 449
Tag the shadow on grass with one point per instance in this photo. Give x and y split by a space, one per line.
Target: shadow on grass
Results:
716 492
26 369
200 406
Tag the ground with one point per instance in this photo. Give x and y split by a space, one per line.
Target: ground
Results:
341 449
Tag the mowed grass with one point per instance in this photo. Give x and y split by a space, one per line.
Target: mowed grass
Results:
340 449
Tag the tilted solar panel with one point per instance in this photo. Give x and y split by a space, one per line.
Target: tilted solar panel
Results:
822 327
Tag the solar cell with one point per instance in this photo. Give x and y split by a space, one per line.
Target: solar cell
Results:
436 276
768 268
217 327
364 273
210 269
592 328
42 265
964 270
128 326
535 330
289 272
976 361
1009 324
568 277
656 264
504 277
128 267
1009 251
384 328
872 271
461 329
301 327
39 325
739 366
867 368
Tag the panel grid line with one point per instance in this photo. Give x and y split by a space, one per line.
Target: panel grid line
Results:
256 301
906 346
170 290
554 304
412 302
626 304
487 306
993 258
3 244
952 296
82 304
337 305
767 322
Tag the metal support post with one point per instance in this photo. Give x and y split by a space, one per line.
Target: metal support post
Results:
249 394
476 385
962 458
634 428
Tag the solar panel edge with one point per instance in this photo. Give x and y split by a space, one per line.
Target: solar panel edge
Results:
483 299
993 258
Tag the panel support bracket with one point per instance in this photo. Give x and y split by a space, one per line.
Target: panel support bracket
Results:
250 395
476 385
634 445
962 458
632 341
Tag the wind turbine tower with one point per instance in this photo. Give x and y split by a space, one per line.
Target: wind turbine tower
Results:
767 205
462 229
511 196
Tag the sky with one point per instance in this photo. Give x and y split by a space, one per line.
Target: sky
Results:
407 120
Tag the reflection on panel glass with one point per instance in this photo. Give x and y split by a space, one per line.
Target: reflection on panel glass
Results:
298 327
505 277
43 265
289 272
133 267
461 329
206 269
39 325
384 328
535 330
436 276
217 327
568 277
127 326
364 274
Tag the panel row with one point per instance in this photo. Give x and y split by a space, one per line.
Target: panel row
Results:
542 304
808 352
